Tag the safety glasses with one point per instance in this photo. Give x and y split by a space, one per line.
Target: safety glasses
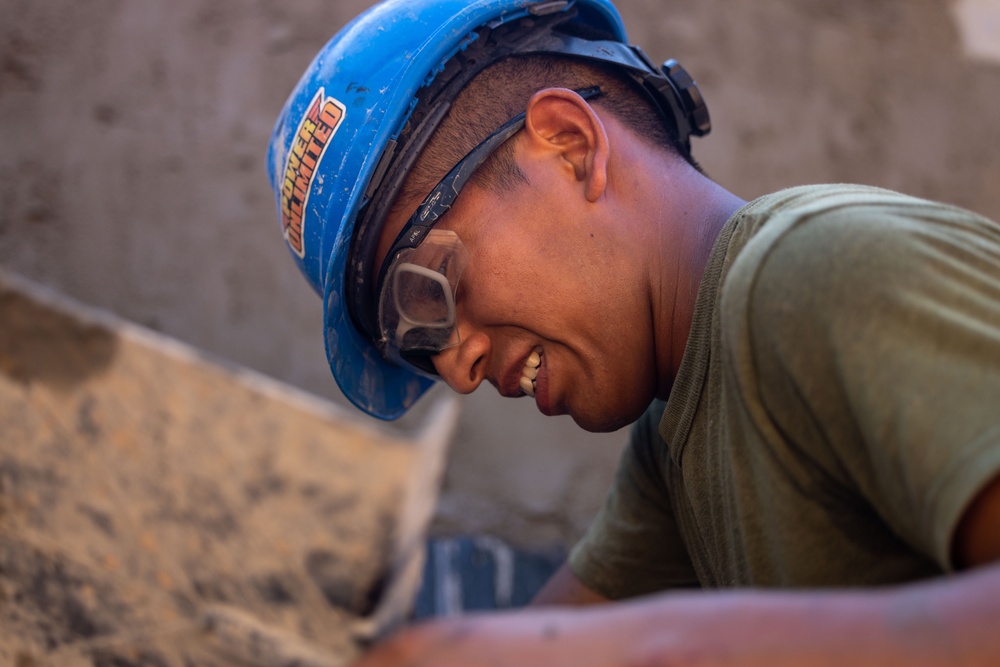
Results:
416 310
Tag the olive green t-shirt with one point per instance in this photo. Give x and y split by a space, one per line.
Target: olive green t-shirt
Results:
836 410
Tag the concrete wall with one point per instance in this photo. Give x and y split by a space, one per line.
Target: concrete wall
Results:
131 174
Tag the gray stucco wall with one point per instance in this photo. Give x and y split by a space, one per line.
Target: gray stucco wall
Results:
131 174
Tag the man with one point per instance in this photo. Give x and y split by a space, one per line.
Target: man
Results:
504 191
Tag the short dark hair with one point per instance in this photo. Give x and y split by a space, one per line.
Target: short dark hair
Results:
500 92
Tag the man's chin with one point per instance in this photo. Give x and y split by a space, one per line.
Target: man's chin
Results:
604 421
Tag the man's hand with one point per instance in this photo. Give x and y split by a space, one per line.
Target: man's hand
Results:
564 588
510 638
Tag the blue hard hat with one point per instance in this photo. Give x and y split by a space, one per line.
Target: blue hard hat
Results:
356 121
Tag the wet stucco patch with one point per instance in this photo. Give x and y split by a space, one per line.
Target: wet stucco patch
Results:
41 344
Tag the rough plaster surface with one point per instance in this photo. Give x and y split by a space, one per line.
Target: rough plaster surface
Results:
157 508
132 175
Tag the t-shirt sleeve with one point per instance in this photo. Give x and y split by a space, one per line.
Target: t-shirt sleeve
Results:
633 547
875 331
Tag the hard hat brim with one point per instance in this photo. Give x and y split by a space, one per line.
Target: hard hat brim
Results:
380 388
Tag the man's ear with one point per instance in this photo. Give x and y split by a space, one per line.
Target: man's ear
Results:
560 122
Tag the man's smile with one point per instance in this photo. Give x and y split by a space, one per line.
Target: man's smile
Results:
530 371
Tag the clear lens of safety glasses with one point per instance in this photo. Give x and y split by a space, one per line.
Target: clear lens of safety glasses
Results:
417 304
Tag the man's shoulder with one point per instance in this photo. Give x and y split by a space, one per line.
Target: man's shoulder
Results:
825 232
816 209
839 255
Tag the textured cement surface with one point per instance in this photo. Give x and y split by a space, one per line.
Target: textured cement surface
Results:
158 508
132 174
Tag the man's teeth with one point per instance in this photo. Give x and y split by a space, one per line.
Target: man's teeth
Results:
530 372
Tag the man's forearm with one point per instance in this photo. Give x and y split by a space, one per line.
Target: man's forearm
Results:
950 621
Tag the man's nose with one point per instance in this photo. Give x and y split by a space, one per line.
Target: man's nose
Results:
464 366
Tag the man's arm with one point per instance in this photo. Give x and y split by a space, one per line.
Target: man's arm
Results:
977 539
564 588
943 622
948 621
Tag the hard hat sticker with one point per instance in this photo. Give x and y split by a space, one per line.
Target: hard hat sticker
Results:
311 140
